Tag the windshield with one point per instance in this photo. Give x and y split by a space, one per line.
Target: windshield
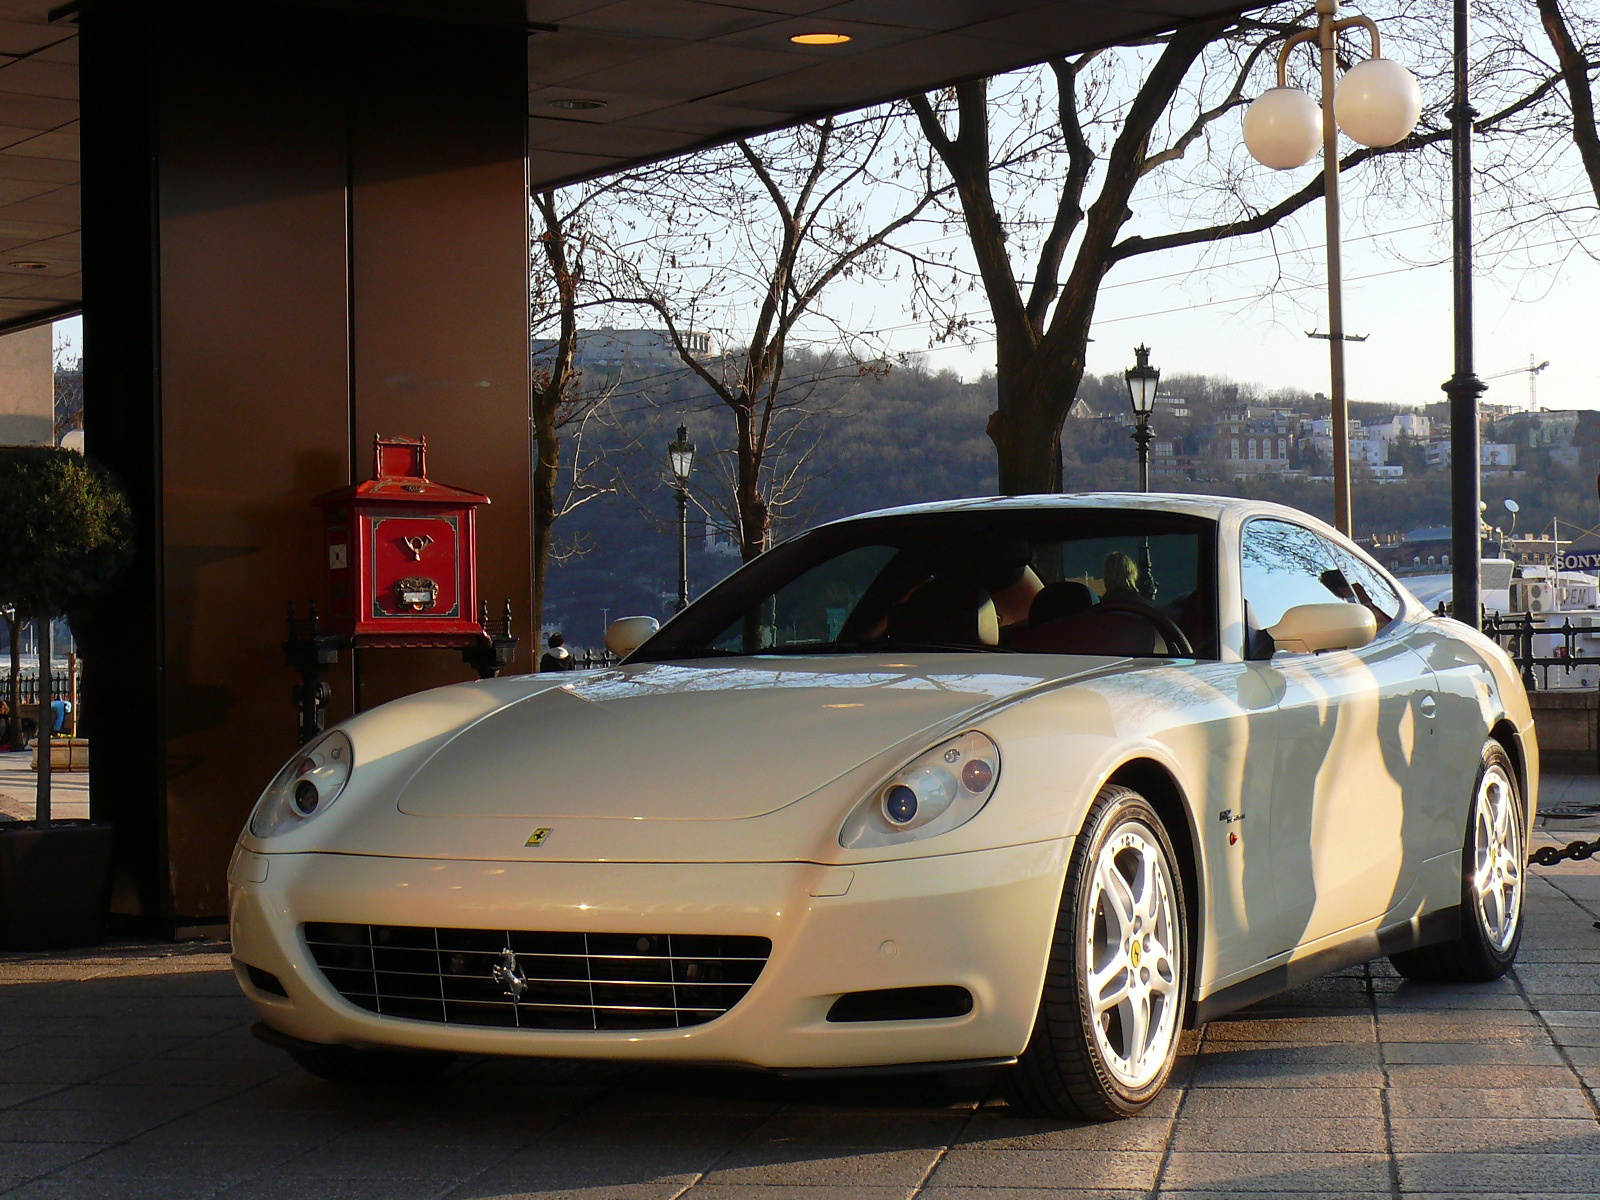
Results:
1052 581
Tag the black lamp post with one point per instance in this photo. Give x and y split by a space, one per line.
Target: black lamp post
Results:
1463 387
680 453
1142 379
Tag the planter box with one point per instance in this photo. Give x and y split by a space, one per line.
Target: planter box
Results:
55 884
66 754
1567 724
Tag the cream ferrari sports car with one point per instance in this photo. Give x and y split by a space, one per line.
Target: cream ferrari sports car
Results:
1027 783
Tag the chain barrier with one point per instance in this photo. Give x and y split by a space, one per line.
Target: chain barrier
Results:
1549 856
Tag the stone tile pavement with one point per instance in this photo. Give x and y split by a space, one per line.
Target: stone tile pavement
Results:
128 1072
69 790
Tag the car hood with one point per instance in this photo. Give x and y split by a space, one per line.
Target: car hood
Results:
673 741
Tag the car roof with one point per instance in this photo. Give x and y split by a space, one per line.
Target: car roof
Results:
1210 507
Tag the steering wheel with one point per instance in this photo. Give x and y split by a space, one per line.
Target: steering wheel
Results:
1177 641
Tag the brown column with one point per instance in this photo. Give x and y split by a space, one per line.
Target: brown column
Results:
329 240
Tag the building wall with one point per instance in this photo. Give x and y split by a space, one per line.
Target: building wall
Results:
27 388
334 246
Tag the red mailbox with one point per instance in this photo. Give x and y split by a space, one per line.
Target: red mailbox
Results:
402 554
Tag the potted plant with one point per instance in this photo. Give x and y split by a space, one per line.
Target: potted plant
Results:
69 532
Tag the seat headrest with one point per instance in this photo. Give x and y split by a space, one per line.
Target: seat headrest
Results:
1064 598
947 610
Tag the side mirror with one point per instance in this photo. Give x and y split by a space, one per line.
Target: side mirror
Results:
1336 625
627 634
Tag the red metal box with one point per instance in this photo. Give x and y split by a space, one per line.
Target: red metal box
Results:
402 554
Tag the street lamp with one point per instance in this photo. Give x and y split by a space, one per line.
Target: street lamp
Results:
1142 379
680 454
1377 104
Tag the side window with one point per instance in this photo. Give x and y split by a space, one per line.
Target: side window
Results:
1370 587
1284 566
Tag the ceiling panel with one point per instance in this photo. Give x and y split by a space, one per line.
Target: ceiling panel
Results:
669 75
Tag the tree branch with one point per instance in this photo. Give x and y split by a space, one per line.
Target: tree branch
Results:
1575 72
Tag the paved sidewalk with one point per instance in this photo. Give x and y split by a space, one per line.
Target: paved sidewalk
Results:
129 1072
19 786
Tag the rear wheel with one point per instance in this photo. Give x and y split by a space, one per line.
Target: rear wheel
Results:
1106 1034
1493 862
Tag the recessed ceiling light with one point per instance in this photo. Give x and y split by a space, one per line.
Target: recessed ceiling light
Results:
820 39
28 264
573 104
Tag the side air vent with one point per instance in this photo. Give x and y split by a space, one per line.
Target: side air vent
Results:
902 1004
264 981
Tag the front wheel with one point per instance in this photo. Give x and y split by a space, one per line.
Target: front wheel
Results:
1493 863
1106 1034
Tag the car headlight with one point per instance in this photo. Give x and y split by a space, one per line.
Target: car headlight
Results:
932 794
308 785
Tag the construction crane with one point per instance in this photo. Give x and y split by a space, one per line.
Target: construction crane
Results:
1532 372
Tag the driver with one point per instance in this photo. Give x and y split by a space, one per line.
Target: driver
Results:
1121 577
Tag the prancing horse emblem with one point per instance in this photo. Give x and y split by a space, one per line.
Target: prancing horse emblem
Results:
509 975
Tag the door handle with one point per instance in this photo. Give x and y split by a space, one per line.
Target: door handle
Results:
1428 705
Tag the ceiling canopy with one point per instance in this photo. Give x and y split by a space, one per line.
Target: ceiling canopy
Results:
612 83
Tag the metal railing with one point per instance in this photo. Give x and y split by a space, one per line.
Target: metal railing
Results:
1516 633
30 684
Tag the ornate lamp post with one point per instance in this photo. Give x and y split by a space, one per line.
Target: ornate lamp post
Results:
1377 104
1142 379
680 454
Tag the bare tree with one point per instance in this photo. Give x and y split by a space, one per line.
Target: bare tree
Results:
569 241
1125 120
738 246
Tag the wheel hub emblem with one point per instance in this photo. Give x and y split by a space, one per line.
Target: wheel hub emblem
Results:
1135 952
508 974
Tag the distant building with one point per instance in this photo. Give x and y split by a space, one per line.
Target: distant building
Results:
27 388
1417 550
1496 456
1537 430
1252 445
1169 463
1500 456
612 348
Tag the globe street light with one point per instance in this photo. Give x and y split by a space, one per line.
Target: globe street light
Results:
1142 379
1377 104
680 454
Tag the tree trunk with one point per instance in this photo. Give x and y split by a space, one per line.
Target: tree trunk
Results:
1037 386
754 516
46 723
546 462
14 720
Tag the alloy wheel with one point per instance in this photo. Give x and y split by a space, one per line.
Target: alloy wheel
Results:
1498 858
1130 945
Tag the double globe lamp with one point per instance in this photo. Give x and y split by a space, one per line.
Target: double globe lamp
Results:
1377 103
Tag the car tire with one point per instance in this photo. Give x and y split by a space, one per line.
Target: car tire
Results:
1494 863
367 1068
1106 1034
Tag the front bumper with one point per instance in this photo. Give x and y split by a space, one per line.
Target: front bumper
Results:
981 920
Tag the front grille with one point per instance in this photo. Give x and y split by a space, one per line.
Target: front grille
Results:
521 980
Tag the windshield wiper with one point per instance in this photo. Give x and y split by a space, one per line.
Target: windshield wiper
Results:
896 645
686 653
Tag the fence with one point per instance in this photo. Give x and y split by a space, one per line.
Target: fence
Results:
1516 633
30 684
